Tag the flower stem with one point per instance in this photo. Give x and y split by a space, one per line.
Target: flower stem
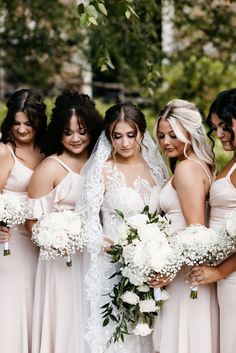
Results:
194 293
6 250
68 261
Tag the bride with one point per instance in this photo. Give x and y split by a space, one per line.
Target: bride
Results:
125 172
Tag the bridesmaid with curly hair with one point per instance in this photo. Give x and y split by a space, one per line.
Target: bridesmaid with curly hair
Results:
59 307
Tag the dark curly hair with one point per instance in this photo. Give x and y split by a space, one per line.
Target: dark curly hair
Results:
30 102
70 103
127 112
224 106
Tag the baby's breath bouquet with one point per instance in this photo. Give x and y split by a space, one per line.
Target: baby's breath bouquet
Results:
13 211
229 229
58 235
142 251
198 245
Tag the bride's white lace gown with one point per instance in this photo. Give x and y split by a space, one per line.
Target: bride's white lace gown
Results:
130 198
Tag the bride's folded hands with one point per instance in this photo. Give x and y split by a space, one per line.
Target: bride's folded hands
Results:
159 281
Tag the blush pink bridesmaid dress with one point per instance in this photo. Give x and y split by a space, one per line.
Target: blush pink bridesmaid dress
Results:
185 325
17 274
223 200
59 304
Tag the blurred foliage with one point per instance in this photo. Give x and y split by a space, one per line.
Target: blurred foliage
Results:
202 61
37 38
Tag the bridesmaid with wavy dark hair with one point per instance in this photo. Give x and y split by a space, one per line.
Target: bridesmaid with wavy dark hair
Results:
222 121
59 307
20 152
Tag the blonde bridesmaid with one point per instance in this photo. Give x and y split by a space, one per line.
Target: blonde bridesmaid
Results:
186 325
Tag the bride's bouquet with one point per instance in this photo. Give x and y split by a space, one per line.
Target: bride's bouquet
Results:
198 245
142 251
58 235
13 211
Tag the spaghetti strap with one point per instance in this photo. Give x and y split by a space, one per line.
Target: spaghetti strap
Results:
205 170
61 163
12 152
231 170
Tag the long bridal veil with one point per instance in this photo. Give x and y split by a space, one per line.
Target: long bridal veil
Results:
88 206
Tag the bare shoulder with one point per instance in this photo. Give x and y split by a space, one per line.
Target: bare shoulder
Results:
43 178
48 165
189 168
4 151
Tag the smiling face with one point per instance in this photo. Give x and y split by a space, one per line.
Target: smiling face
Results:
222 132
126 140
168 140
22 129
75 137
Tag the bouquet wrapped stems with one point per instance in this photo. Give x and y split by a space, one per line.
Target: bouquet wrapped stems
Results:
6 248
68 261
194 293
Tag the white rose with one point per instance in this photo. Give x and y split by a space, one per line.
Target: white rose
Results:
122 231
143 289
147 306
142 330
136 279
149 232
137 220
57 220
139 258
61 240
130 298
74 227
44 238
128 201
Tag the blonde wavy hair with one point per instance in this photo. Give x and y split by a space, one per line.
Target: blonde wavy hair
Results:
182 114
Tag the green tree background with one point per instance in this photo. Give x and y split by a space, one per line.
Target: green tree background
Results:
122 41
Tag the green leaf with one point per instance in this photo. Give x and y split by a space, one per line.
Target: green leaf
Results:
91 11
105 322
120 213
127 14
132 11
93 21
103 68
102 8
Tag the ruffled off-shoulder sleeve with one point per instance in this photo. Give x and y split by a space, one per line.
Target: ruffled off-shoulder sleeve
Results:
41 206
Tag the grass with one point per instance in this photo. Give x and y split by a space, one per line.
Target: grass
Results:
221 157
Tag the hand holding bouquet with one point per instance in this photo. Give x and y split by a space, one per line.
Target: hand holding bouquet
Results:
142 250
200 245
13 211
58 235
